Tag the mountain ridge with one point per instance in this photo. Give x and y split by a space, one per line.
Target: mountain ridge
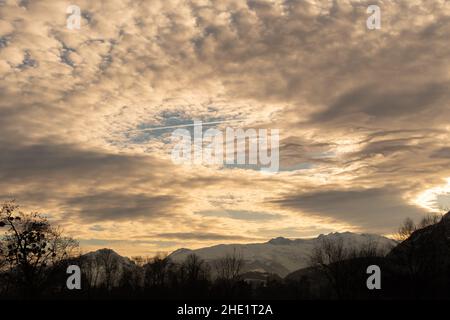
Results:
279 255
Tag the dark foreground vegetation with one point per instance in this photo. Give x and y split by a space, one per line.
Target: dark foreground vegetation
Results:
34 257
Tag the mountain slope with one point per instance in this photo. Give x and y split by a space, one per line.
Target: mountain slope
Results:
105 267
418 267
280 255
426 251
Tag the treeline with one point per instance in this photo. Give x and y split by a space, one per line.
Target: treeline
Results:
106 274
34 257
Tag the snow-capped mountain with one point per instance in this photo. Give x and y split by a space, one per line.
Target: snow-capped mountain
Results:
281 255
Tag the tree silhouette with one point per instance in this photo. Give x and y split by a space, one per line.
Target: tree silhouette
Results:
406 229
195 269
340 264
157 271
409 226
30 246
229 267
108 263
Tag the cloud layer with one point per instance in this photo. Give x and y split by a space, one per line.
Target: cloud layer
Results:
363 116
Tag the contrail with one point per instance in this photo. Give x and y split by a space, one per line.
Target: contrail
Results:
185 125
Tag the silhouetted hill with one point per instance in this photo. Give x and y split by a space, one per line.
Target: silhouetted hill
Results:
432 242
418 267
105 267
109 253
422 261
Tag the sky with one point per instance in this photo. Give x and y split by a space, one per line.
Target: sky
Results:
362 117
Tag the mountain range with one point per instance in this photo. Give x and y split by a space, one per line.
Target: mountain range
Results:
416 267
281 255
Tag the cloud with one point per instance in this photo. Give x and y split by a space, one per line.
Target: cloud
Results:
241 215
121 207
202 236
65 162
442 153
373 209
363 115
388 103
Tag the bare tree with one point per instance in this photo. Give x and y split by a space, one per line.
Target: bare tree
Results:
195 269
109 263
91 272
157 270
132 277
408 226
339 263
429 220
422 260
5 277
406 229
368 249
327 252
30 246
229 267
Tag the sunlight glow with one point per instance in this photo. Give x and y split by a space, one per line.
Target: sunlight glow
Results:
435 199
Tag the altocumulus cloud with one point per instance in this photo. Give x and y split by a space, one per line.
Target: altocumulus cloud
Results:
362 114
